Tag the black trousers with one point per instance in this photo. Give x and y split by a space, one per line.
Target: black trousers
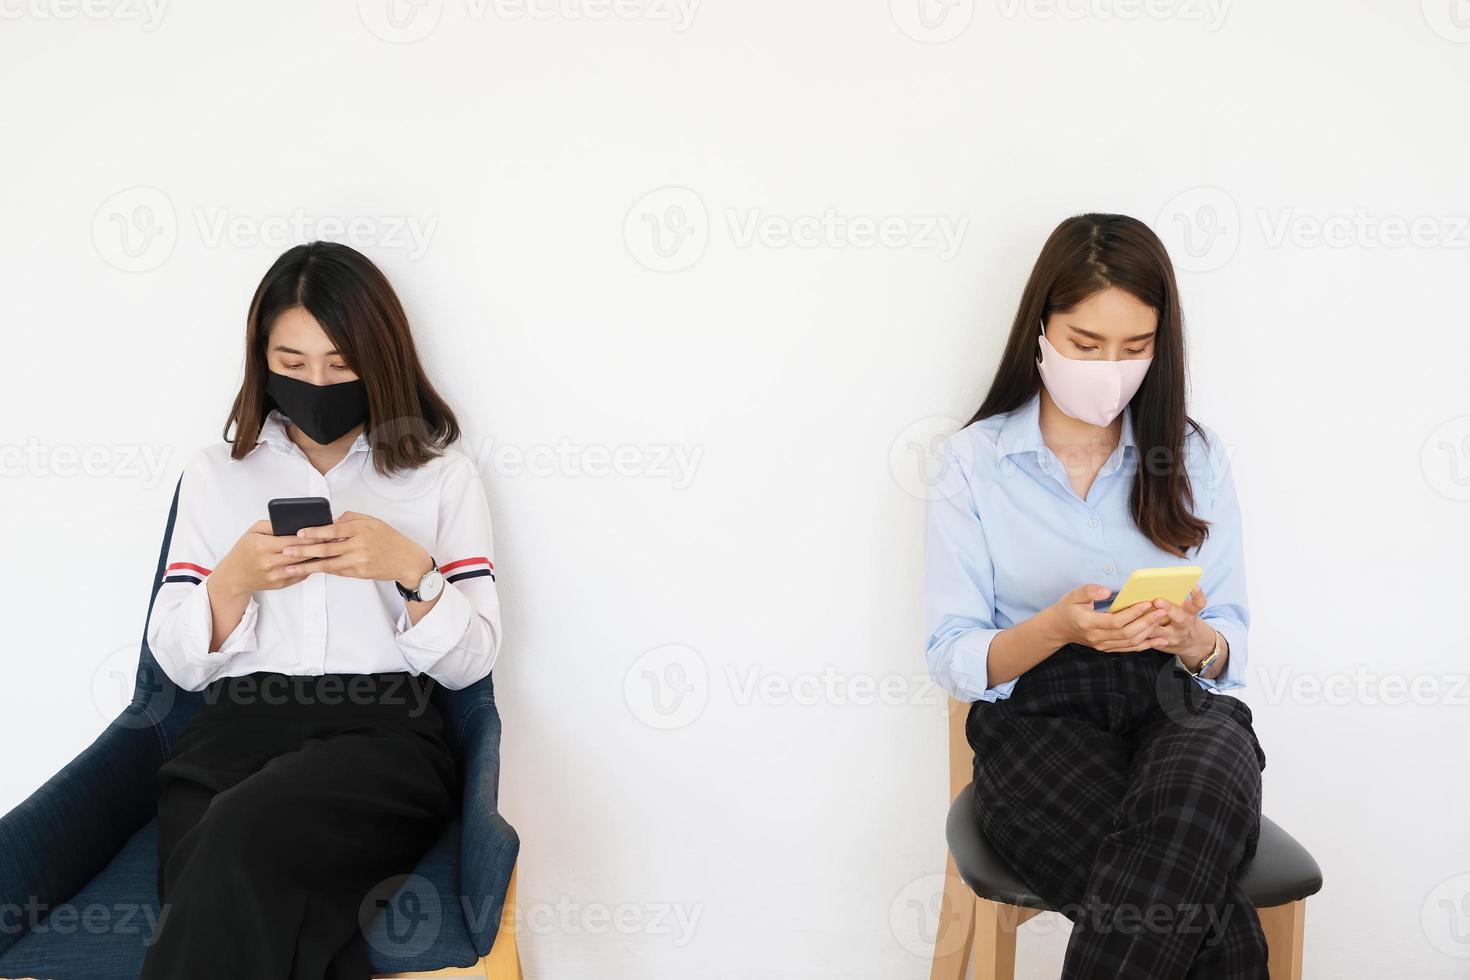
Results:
291 807
1127 797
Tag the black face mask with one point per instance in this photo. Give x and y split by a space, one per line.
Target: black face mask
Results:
325 413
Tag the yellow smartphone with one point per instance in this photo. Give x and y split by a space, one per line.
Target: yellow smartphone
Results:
1145 584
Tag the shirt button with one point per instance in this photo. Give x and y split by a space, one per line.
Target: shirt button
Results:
1092 522
1107 569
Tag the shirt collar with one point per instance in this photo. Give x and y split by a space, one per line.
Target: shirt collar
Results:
1021 431
273 434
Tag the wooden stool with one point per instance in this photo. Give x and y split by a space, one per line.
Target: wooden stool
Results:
985 902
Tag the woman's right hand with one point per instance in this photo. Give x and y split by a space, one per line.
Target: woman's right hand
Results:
255 564
1073 620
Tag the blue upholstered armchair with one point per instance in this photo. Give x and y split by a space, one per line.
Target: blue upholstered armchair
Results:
79 858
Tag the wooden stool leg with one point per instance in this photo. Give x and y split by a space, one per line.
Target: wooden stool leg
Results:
957 910
1285 928
956 929
995 939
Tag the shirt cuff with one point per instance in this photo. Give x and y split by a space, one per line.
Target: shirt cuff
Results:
1233 676
968 667
439 631
198 618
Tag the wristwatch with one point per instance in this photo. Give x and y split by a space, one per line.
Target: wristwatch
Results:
428 588
1204 664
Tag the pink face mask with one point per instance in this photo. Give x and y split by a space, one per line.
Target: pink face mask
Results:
1091 391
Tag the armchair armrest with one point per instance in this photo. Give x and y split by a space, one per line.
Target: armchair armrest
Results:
67 831
489 845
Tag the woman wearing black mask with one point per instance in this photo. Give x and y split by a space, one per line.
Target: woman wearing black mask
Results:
317 768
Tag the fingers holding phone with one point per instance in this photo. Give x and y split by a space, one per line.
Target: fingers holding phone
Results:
256 563
1124 631
1182 632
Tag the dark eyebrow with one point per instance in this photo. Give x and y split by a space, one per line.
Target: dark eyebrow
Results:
1094 336
291 350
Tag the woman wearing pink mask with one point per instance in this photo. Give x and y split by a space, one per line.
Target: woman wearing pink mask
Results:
1121 786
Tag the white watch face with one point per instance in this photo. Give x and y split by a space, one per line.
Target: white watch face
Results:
431 585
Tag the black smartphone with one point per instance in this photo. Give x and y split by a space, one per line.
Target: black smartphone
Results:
291 514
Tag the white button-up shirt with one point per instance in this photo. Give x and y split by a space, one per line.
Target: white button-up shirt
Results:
329 624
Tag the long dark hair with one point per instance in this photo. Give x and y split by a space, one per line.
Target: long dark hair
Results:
408 422
1084 255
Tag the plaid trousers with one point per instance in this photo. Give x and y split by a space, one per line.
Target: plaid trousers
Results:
1126 797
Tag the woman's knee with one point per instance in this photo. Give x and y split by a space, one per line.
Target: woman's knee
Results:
1206 776
238 832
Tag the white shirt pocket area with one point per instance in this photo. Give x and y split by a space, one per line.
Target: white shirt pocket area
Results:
329 623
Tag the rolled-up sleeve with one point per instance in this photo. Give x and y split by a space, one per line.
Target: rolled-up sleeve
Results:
458 640
1222 557
959 596
182 623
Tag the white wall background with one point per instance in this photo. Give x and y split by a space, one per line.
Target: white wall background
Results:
496 163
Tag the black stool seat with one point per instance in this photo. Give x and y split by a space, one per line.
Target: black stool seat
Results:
1281 871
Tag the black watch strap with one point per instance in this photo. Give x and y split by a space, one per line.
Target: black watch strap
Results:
412 595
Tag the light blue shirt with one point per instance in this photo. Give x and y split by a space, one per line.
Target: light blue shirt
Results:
1008 537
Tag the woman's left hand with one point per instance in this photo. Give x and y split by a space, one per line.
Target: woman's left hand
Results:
1183 633
359 546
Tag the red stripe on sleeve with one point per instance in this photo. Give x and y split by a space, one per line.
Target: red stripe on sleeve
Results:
446 569
189 565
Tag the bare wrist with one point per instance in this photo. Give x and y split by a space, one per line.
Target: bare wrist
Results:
1206 644
222 587
415 572
1051 628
